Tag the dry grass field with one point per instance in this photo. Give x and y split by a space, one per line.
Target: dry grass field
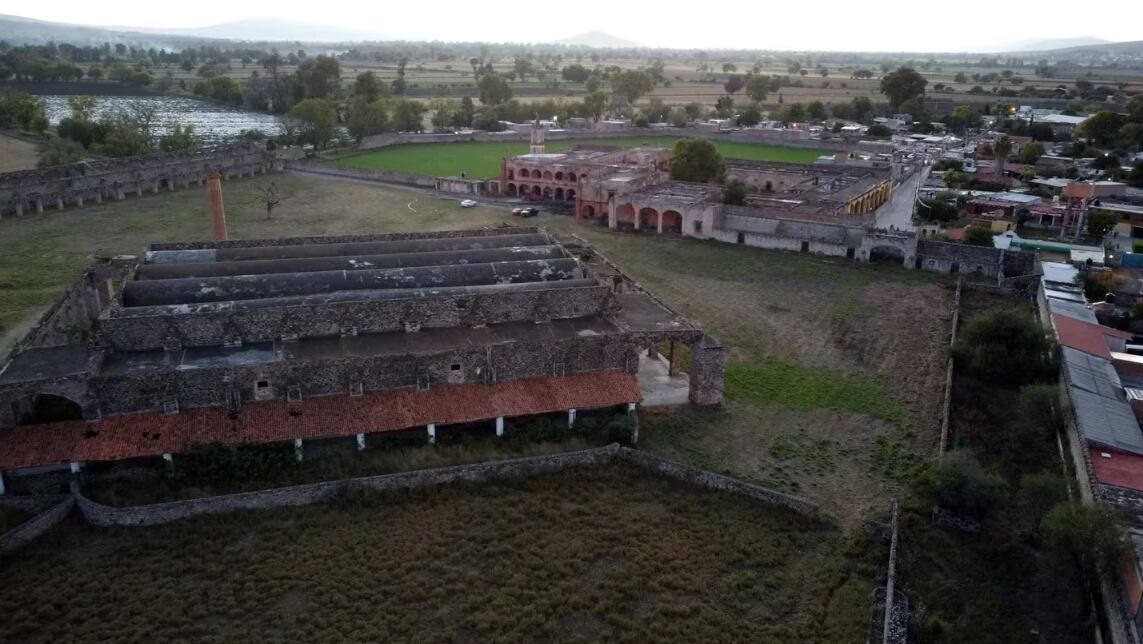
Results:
582 556
835 379
17 154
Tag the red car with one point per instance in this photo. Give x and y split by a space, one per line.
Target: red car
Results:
516 212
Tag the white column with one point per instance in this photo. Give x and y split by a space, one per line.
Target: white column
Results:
3 490
75 466
361 442
298 449
432 430
630 408
170 461
571 418
499 425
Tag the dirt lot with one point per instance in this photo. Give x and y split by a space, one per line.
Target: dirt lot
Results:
17 154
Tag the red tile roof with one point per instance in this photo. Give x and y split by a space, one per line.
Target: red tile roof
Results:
1122 470
1085 336
152 433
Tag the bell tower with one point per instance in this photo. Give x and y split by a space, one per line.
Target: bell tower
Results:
537 143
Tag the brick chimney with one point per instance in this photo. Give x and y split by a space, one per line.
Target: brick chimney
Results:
217 211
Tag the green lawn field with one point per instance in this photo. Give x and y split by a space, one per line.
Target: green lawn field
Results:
483 159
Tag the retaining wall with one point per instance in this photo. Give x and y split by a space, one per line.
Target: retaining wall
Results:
58 508
299 495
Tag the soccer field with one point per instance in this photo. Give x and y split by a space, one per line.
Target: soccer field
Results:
483 159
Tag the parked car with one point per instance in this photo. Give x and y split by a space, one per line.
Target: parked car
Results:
468 203
530 212
516 212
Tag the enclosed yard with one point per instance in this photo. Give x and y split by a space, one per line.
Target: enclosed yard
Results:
17 154
583 556
837 368
483 159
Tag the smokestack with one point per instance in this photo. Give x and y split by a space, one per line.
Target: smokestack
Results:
217 211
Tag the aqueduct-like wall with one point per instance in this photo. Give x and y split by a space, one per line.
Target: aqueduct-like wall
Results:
75 184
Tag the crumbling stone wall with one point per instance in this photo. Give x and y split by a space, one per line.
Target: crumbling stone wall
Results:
102 515
51 510
75 184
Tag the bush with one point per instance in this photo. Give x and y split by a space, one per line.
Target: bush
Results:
735 193
1006 348
1087 535
57 151
960 485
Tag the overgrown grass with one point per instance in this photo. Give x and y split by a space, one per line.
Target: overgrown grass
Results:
586 555
806 388
479 159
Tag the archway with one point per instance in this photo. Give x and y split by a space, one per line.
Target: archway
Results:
547 193
649 218
588 212
547 175
535 174
560 194
625 215
887 254
571 195
48 408
571 177
672 222
559 176
523 190
512 189
536 191
511 175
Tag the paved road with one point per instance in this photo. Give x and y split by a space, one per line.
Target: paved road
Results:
898 213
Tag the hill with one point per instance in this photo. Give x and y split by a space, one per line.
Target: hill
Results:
597 39
1050 44
268 29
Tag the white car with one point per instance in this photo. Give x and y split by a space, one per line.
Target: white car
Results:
468 203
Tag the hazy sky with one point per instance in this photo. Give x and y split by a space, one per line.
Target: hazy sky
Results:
888 25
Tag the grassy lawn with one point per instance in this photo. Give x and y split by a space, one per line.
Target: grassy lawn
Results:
483 159
17 154
836 368
581 556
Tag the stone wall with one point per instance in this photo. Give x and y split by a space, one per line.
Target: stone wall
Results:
102 515
71 318
58 508
363 174
75 184
343 239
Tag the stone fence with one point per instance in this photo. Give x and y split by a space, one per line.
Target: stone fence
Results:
363 174
298 495
791 138
75 184
50 511
946 407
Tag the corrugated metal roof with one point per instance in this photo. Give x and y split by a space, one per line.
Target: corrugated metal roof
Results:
1073 310
1060 272
1105 421
1093 374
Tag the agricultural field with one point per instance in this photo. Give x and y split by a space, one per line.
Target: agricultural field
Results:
483 159
834 386
17 154
581 556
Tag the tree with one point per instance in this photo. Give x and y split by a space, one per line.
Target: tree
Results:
794 113
1106 161
1101 127
878 130
575 73
408 116
95 73
57 151
1041 132
962 118
697 160
1099 223
960 78
1087 536
750 116
316 119
724 106
1006 348
733 84
1030 153
729 67
816 111
366 118
757 87
861 108
178 139
369 87
319 77
902 85
18 109
977 236
631 84
734 194
961 486
494 90
269 196
1135 177
522 66
1135 109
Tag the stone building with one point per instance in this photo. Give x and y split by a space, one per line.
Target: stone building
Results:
261 341
559 176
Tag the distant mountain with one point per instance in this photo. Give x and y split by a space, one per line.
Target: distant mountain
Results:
1128 48
1049 44
268 29
598 39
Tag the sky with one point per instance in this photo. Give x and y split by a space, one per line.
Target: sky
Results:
837 25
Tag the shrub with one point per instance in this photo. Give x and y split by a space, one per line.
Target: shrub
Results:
1006 348
960 485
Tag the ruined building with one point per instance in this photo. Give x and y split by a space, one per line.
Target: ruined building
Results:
261 341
